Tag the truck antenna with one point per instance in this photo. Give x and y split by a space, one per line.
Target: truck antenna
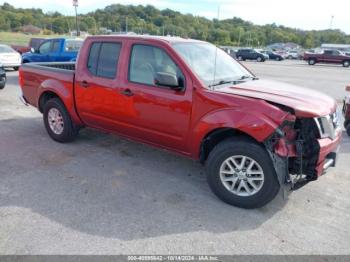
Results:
216 54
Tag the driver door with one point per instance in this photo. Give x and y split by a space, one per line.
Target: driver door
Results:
161 115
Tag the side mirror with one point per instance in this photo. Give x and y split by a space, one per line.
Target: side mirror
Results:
167 79
32 50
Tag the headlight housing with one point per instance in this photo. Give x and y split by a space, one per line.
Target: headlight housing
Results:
328 126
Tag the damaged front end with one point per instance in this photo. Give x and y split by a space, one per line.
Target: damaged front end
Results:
294 150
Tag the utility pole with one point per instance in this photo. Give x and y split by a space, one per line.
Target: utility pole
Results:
126 25
75 4
331 23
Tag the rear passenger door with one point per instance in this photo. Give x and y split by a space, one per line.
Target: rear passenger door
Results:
98 100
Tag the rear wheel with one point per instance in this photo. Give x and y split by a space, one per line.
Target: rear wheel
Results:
348 129
346 63
259 59
58 122
240 172
240 58
312 61
278 59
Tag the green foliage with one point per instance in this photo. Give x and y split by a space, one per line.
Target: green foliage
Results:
148 19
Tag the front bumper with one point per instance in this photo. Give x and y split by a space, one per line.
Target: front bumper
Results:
11 64
328 153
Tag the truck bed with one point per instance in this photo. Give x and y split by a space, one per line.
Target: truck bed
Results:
38 76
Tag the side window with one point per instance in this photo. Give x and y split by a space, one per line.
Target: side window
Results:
72 45
103 59
55 46
45 48
146 61
335 52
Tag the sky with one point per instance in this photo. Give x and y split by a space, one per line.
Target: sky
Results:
303 14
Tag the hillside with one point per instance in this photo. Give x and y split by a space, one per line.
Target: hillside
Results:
148 19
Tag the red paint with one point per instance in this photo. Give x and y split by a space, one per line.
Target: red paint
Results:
174 120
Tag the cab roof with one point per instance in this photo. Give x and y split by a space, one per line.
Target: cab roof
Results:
167 39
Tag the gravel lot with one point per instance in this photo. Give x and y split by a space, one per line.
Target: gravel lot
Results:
105 195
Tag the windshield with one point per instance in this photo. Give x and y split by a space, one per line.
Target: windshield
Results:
201 58
6 49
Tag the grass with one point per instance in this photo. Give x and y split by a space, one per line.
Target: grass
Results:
10 38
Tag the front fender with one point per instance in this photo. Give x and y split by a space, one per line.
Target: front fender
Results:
256 124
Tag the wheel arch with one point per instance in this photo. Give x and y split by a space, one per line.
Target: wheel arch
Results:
218 135
230 123
53 88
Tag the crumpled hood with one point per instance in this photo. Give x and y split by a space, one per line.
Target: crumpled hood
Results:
305 102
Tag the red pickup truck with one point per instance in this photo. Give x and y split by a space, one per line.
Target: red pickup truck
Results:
328 57
254 136
33 43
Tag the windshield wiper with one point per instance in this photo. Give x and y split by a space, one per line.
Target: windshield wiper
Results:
248 76
235 81
222 82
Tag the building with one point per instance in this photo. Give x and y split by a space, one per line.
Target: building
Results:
341 47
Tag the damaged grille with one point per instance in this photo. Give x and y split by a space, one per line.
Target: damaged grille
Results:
307 147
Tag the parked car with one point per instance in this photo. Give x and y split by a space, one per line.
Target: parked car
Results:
251 54
293 54
2 77
273 55
54 50
328 56
9 58
254 136
33 43
346 111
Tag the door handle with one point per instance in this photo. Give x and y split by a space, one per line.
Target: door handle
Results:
127 92
84 84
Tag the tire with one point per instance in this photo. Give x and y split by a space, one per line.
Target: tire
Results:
239 147
240 58
16 68
348 129
346 63
312 61
278 59
63 130
2 85
259 59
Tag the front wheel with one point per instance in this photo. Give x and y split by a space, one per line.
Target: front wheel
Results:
346 63
240 58
259 59
16 68
312 61
58 122
241 173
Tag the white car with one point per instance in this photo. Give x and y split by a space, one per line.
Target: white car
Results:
9 58
293 54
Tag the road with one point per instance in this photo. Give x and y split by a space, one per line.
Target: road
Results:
106 195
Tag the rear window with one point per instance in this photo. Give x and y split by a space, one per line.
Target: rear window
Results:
103 59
